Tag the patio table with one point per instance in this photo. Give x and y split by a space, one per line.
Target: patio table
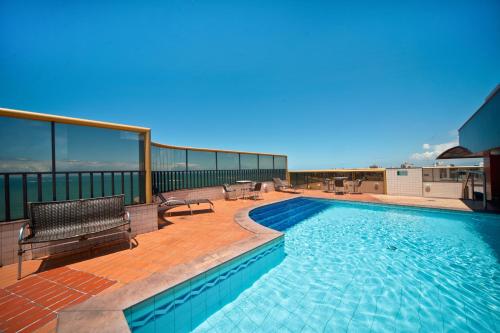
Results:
245 187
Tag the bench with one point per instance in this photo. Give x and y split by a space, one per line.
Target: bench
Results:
65 220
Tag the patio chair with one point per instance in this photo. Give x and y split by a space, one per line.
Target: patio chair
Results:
356 185
231 193
256 191
281 185
339 186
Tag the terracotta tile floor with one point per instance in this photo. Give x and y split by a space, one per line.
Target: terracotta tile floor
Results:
34 301
180 239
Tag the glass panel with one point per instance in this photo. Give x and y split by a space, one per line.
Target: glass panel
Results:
107 184
47 187
136 194
26 145
97 185
201 160
265 162
126 184
279 162
228 161
2 199
248 161
371 176
73 186
32 185
167 159
86 185
83 148
60 187
16 197
118 183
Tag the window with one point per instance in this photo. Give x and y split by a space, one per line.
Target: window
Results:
427 175
402 173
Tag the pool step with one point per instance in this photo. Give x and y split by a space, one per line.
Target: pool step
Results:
292 216
272 216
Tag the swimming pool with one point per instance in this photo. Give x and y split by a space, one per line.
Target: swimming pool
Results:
366 267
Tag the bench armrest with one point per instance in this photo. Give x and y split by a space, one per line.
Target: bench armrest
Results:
126 216
21 232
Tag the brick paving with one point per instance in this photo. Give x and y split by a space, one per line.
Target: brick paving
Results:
34 301
63 281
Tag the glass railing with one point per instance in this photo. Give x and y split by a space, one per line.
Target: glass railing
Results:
18 189
52 158
166 181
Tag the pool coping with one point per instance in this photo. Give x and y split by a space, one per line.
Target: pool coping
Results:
104 312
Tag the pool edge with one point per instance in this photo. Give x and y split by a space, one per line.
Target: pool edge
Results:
104 312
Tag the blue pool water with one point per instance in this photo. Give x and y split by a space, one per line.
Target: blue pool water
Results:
369 268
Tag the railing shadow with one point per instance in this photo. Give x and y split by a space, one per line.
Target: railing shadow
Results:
91 252
163 220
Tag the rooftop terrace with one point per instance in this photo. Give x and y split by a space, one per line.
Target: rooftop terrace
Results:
181 239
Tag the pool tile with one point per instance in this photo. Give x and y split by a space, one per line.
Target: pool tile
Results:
224 325
183 317
198 309
142 310
165 322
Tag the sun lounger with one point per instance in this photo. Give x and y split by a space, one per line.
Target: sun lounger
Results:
167 203
281 185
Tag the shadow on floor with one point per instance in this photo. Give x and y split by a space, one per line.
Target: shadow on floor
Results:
163 217
63 259
477 206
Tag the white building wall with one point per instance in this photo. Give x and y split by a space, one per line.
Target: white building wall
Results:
442 190
409 182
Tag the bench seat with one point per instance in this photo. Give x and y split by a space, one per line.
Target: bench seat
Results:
64 220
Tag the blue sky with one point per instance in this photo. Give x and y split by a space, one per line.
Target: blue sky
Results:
330 84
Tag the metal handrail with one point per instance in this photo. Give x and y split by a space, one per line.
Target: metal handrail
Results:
8 190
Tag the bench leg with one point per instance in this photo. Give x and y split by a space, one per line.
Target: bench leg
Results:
129 238
19 261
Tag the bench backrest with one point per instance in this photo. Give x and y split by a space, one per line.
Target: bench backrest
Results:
72 214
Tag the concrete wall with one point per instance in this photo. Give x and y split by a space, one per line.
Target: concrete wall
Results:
442 190
144 219
410 185
367 186
211 193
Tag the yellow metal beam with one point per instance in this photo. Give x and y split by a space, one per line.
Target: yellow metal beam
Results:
68 120
147 166
340 170
161 145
